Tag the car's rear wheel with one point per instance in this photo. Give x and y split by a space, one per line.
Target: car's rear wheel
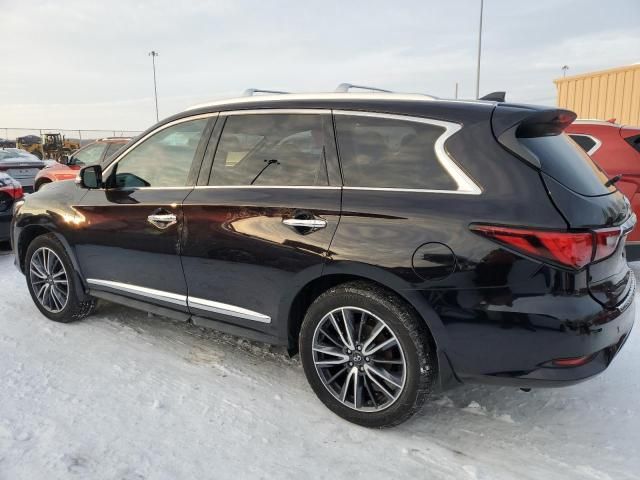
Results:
52 281
367 355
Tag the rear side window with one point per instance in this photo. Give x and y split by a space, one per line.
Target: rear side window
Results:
566 162
379 152
585 141
271 150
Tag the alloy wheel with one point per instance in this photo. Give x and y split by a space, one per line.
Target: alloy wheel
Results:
49 280
359 359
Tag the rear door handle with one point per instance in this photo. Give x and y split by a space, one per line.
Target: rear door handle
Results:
162 220
314 223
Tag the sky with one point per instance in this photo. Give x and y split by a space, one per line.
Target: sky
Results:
85 64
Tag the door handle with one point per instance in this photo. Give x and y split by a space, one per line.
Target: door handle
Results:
162 220
314 223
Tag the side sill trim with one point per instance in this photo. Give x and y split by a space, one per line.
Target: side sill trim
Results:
144 291
184 301
226 309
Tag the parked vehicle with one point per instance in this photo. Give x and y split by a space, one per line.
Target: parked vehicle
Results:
616 149
21 165
401 243
67 168
10 192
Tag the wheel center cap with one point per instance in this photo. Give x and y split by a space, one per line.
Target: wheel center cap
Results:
357 358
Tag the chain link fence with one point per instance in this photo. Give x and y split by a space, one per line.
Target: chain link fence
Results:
80 136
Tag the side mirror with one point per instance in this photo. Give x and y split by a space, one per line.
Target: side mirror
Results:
65 160
90 177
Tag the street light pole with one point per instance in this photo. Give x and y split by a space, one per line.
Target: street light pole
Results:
479 51
153 55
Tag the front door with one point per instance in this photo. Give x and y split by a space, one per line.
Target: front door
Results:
129 243
259 226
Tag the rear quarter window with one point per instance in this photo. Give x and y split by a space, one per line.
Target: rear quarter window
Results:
564 160
378 152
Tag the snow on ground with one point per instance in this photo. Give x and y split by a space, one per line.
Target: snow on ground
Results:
123 395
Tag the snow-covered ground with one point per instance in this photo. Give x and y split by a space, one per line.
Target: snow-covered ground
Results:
126 396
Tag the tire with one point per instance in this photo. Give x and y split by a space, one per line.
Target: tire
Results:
410 359
42 184
45 259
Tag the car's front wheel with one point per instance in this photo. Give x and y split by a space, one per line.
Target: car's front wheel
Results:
52 281
367 355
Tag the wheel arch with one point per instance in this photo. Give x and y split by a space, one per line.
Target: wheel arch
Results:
332 277
40 182
30 232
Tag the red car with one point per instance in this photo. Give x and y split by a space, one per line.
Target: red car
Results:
616 149
91 154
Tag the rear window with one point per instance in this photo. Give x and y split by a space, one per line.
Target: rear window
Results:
378 152
585 141
561 158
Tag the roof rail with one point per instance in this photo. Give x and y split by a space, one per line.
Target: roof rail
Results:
345 87
250 92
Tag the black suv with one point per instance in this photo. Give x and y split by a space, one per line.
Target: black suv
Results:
400 243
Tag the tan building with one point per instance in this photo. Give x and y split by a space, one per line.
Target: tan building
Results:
603 95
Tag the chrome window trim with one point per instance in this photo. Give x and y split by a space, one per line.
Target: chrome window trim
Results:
597 143
259 187
411 190
465 184
143 291
107 171
183 300
277 111
226 309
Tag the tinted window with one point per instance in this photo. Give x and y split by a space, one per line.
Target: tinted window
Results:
585 142
265 149
163 160
565 161
89 155
380 152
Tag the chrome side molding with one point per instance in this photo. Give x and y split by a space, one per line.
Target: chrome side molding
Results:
226 309
183 300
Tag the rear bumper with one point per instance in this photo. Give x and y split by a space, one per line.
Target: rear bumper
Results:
517 348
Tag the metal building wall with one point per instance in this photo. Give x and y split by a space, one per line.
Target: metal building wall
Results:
613 93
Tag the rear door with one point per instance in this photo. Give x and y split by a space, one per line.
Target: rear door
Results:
259 224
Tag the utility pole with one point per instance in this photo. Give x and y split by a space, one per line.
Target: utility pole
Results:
479 51
153 54
564 70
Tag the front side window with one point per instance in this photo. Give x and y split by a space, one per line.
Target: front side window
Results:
163 160
90 155
378 152
271 150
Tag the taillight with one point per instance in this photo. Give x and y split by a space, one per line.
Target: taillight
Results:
8 194
570 249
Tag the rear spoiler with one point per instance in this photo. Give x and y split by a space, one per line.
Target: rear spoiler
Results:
511 122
